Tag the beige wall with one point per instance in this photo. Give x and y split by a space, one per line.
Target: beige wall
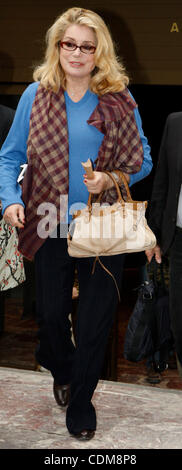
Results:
152 54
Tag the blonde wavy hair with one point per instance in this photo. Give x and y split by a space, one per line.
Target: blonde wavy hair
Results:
109 74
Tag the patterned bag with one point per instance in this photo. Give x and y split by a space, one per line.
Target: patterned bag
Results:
11 261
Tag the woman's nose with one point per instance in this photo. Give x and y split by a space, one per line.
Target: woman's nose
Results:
77 51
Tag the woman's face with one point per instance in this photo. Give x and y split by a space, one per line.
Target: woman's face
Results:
77 64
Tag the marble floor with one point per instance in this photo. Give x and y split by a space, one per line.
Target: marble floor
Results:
129 416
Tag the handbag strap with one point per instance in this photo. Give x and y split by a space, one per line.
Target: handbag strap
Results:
108 272
120 198
154 268
125 183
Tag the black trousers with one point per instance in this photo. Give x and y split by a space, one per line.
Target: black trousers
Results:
176 291
98 299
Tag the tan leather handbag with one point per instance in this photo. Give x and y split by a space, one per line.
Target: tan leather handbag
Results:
104 230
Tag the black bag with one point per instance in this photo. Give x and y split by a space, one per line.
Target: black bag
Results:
149 329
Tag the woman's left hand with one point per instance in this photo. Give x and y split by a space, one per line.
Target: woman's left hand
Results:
100 182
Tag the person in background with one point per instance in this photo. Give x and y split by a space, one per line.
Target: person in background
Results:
6 119
11 261
78 107
165 219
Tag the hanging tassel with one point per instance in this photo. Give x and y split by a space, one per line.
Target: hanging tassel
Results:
107 271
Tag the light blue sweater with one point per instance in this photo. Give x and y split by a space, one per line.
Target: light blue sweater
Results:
13 153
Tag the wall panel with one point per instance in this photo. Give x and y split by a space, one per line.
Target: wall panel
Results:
141 30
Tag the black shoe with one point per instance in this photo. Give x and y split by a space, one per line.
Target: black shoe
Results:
153 376
61 394
84 435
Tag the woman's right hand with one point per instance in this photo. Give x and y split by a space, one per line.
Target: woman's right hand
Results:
15 215
154 252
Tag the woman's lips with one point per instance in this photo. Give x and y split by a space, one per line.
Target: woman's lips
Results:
76 64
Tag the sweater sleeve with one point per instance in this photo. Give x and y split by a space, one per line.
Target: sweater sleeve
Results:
13 153
147 160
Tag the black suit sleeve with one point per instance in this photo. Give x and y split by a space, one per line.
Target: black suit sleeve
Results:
160 188
6 119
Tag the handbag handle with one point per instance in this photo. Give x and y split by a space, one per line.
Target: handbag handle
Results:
153 269
120 198
125 183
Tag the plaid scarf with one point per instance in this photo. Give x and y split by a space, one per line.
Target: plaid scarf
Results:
47 174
